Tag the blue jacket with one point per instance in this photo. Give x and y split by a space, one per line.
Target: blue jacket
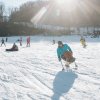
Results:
62 50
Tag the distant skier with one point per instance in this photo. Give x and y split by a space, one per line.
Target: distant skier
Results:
83 42
64 52
28 41
53 42
6 39
14 48
20 41
3 42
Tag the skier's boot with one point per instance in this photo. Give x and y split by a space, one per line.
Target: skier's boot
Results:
67 66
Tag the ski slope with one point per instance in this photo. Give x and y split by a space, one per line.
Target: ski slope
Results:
34 73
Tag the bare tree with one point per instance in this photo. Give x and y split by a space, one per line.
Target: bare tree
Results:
2 8
1 11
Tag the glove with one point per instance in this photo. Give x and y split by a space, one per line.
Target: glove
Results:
71 51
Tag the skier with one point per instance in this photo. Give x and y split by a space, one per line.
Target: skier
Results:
3 42
28 41
53 42
83 42
14 48
20 40
64 52
6 39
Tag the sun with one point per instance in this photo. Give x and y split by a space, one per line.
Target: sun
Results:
68 4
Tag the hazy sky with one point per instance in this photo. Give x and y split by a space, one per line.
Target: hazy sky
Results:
14 3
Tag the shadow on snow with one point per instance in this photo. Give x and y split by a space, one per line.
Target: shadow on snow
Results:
63 82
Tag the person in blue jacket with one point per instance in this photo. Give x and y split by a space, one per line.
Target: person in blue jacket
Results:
64 52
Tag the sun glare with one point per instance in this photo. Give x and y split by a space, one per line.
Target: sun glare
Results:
69 4
65 1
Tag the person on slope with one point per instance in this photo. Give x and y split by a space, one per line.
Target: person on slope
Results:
20 41
28 41
3 42
14 48
6 39
53 42
83 42
64 52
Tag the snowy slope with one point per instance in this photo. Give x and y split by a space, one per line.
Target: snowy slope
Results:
35 74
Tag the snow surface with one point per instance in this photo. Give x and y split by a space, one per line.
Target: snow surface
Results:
34 73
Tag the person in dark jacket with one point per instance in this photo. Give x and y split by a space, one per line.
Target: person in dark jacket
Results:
6 39
3 42
14 48
53 42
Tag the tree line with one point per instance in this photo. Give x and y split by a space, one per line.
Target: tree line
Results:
20 15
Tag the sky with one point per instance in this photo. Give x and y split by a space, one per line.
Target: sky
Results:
14 3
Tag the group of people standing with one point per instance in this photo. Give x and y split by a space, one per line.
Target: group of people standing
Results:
27 40
15 47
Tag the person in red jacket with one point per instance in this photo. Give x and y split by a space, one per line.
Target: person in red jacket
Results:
28 41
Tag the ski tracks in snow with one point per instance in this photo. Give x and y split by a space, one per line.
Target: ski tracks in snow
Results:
29 73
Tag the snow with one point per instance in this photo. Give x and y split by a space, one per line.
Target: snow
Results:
34 73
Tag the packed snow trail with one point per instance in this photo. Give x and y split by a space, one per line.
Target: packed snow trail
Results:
34 73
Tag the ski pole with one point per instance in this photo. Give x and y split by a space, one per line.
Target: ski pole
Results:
62 65
76 67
